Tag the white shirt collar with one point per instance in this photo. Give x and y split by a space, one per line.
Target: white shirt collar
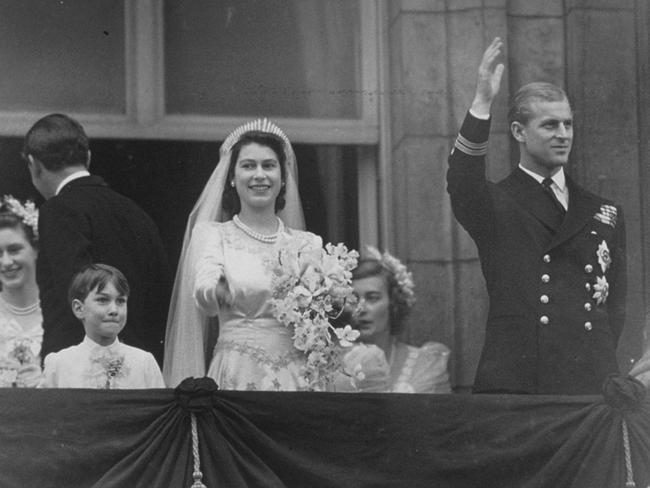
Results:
93 346
559 178
69 178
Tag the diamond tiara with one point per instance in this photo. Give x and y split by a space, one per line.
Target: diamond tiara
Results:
262 125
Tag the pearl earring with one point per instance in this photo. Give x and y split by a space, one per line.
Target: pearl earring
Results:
232 183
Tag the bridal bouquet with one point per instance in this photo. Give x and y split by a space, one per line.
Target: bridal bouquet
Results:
310 288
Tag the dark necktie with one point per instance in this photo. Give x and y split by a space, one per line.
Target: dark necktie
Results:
546 184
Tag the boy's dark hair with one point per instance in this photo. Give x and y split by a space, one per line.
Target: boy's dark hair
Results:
93 276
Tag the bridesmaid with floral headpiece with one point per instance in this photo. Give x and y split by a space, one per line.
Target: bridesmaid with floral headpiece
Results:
386 294
21 332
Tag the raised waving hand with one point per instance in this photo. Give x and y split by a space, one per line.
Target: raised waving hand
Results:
489 78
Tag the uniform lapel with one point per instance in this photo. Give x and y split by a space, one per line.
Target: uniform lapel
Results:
582 208
530 195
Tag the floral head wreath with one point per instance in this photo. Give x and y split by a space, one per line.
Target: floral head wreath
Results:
403 293
28 213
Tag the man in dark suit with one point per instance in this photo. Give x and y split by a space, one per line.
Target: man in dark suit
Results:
84 221
552 254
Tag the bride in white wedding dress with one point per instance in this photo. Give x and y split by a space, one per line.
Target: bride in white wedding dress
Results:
231 242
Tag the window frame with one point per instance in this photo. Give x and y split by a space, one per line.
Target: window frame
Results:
145 116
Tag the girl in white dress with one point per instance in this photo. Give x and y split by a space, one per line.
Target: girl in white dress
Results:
231 243
21 331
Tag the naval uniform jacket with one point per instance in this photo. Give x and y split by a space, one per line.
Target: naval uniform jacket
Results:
556 284
87 222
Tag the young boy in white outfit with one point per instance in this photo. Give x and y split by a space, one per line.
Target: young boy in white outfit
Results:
98 296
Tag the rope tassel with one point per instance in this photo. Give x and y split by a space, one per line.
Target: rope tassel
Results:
197 475
628 457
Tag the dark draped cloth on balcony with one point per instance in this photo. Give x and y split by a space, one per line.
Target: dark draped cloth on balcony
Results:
111 438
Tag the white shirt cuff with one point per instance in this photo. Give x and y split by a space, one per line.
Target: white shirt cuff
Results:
479 116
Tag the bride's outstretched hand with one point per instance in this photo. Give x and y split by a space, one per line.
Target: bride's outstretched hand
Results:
222 292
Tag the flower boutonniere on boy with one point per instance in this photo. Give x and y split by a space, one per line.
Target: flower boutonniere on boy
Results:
111 368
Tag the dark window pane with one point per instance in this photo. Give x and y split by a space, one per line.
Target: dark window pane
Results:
62 56
285 58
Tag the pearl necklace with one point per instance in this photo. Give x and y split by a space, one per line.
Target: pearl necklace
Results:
21 311
268 238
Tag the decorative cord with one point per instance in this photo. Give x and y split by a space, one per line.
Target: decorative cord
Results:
197 475
628 457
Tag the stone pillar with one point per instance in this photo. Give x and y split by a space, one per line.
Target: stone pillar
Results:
536 42
603 86
536 46
435 47
643 59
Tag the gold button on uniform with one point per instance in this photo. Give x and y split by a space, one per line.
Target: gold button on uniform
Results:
588 307
547 258
543 299
546 278
587 287
588 326
543 320
589 268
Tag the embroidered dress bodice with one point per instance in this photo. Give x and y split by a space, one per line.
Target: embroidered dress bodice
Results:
21 336
254 351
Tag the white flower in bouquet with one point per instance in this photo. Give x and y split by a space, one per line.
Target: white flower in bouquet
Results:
347 335
310 288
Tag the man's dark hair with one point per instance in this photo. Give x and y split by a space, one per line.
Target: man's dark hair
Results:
520 107
57 141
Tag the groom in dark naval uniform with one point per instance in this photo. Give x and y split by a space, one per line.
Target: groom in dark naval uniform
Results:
84 221
552 254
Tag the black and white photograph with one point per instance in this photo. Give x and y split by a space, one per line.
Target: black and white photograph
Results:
325 243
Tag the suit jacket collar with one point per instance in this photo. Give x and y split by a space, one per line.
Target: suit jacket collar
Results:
90 180
71 177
